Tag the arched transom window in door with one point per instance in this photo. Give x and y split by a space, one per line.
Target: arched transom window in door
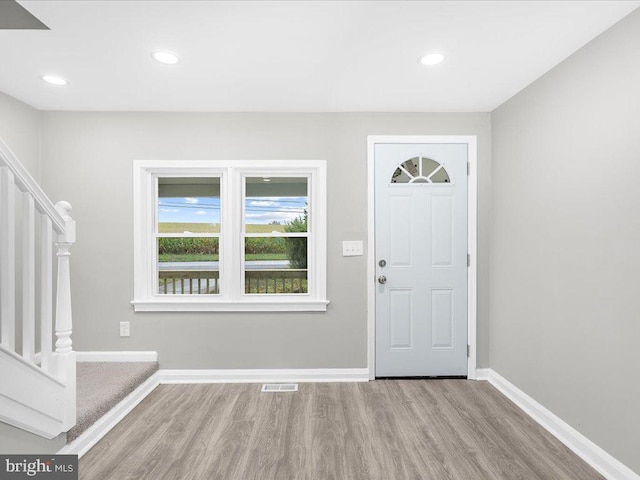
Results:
420 170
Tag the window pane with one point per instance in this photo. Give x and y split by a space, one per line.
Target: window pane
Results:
276 204
189 205
188 265
275 265
416 170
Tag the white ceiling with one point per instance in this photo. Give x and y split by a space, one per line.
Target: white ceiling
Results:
293 55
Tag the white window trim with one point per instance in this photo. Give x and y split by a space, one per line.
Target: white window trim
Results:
232 172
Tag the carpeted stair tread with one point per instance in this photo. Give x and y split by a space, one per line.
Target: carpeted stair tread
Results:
101 385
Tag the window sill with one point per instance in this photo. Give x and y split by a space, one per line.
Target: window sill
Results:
171 305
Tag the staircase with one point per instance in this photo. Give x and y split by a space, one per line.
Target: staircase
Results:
37 379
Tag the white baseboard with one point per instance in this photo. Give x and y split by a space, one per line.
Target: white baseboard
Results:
117 356
265 375
596 457
103 425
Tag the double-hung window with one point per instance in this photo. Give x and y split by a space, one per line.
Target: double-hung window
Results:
230 236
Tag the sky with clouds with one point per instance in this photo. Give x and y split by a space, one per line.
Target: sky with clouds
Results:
259 210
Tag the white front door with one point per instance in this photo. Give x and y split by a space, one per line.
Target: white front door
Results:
421 259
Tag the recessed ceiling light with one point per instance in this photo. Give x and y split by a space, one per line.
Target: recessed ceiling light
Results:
54 80
266 179
165 57
431 59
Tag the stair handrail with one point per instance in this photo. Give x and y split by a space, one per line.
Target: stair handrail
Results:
57 228
26 182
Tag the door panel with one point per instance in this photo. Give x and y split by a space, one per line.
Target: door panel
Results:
400 230
442 235
401 304
442 319
421 233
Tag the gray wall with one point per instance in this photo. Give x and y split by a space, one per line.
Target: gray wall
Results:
87 160
16 440
565 267
20 129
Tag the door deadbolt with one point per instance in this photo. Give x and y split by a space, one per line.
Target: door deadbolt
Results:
382 279
382 263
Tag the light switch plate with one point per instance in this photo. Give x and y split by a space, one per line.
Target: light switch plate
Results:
352 248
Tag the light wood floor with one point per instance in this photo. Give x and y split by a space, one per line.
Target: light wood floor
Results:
382 430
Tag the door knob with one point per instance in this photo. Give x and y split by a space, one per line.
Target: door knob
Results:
382 279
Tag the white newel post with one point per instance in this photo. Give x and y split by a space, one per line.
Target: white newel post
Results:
64 358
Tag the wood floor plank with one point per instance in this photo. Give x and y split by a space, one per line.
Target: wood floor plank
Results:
418 437
207 437
396 430
523 432
220 435
491 452
266 445
359 427
184 420
326 424
296 442
381 430
463 452
143 429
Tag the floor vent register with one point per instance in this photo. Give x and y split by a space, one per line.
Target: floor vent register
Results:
279 387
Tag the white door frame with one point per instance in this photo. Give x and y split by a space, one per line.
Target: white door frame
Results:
472 240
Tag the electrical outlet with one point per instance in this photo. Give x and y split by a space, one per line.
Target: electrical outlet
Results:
352 248
125 329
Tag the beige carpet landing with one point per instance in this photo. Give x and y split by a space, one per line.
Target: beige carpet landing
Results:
101 385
